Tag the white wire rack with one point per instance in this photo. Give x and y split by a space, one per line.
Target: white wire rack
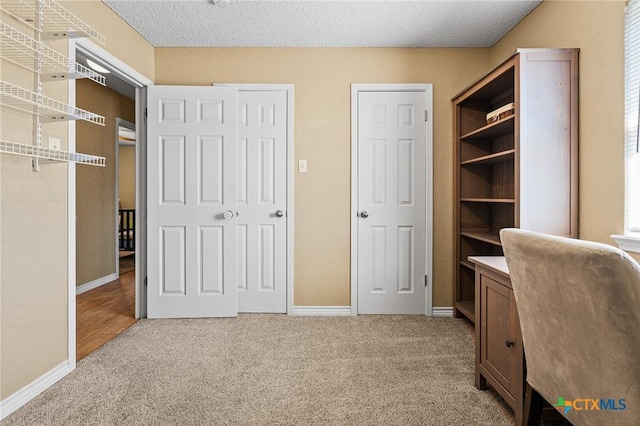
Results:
23 50
34 151
24 100
59 22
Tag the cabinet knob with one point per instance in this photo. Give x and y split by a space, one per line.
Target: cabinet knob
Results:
509 343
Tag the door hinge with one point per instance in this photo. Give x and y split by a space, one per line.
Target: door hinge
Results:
426 280
426 115
145 281
145 113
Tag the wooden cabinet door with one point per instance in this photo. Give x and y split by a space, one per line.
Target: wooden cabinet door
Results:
497 327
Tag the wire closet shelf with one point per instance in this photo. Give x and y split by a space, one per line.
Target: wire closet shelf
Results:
43 153
24 26
58 21
24 51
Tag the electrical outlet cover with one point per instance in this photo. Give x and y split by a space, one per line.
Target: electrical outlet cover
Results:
54 143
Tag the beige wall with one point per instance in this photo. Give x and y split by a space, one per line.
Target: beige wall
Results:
127 176
597 28
322 79
33 216
95 186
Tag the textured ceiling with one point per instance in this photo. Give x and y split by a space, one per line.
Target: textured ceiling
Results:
304 23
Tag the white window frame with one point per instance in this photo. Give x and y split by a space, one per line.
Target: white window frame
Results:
630 241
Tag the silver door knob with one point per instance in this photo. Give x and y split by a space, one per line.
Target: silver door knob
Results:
228 214
364 214
279 213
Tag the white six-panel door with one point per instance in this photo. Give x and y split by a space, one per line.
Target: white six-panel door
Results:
391 202
262 201
191 202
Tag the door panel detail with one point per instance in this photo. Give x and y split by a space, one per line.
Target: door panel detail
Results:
211 259
405 259
379 115
267 115
242 170
379 171
405 115
242 257
210 111
405 172
172 260
243 119
172 111
172 172
378 258
266 257
211 178
266 170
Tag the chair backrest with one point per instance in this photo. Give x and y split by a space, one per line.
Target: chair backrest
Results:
579 309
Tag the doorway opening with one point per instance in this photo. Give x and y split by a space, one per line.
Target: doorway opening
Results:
105 298
105 212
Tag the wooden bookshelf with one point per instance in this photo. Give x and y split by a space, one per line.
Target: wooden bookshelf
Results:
520 171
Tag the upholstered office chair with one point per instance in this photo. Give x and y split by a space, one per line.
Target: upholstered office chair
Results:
579 309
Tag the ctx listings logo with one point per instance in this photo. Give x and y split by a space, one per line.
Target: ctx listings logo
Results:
588 404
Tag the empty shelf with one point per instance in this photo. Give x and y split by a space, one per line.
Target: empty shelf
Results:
34 151
498 157
25 100
486 237
58 21
23 50
488 200
468 309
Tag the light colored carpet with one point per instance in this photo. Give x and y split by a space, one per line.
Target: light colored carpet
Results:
275 369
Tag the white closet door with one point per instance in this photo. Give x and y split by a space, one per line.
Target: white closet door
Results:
391 202
262 201
191 223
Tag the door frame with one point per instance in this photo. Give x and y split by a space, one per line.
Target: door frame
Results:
289 89
427 89
139 81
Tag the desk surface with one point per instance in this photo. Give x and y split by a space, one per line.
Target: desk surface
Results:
498 263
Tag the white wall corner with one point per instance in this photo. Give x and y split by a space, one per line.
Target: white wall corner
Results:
327 311
445 312
96 283
35 388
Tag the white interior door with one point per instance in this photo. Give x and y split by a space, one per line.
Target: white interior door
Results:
191 202
262 201
391 202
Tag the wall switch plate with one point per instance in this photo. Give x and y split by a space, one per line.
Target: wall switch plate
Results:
54 143
302 166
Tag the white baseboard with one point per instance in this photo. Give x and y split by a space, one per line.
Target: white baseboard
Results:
442 312
333 311
346 311
35 388
96 283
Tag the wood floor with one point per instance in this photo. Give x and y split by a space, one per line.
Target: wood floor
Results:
103 313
